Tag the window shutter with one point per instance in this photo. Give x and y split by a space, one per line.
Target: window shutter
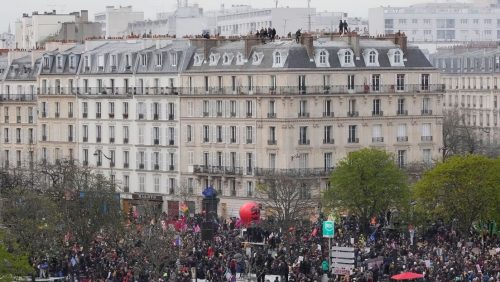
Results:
137 160
152 160
175 137
237 108
202 134
224 134
254 135
145 161
226 109
160 161
237 134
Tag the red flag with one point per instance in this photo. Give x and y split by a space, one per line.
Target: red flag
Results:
315 232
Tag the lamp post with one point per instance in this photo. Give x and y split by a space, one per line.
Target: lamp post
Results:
99 153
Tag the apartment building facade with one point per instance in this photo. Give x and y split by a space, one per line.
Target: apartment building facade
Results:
445 21
249 109
471 75
167 118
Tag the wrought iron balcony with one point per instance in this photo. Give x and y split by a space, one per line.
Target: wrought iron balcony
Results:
296 172
217 170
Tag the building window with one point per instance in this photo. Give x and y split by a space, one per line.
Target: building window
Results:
249 106
303 136
397 57
376 110
424 82
250 190
401 107
376 82
426 132
347 57
327 134
189 133
249 132
372 57
426 156
206 134
277 58
377 133
322 57
143 60
142 183
401 158
328 161
400 82
402 135
350 82
159 60
353 136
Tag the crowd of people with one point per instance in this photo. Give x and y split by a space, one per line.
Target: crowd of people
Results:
299 253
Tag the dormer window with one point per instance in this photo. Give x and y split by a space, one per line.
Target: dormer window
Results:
255 58
277 58
239 59
397 57
226 59
347 57
372 57
173 59
214 59
144 59
72 62
113 60
100 61
59 62
46 62
322 57
127 60
198 60
86 62
159 60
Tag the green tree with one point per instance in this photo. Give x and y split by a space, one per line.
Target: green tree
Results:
13 262
367 183
463 189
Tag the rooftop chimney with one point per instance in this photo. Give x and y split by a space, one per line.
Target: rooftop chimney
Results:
308 41
250 42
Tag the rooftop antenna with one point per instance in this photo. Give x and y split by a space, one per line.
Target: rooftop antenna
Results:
309 15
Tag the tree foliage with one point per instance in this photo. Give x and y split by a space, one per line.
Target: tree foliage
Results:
367 183
52 206
460 138
13 261
288 197
463 189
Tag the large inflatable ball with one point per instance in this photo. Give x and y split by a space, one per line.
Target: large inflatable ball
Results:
250 212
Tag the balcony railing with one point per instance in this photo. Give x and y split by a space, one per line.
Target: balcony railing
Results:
426 112
352 114
328 114
352 140
377 139
426 138
218 170
304 142
271 115
328 141
18 97
402 112
377 113
305 115
298 172
125 140
402 138
238 90
271 142
318 89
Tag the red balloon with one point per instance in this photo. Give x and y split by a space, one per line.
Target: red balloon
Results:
250 212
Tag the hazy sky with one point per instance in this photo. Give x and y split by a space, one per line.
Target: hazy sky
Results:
13 9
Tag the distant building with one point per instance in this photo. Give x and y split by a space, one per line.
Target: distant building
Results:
80 29
184 21
440 22
471 75
115 20
32 31
7 40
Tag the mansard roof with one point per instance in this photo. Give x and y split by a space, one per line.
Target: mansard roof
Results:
23 69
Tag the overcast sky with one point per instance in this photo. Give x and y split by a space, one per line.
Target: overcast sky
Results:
13 9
